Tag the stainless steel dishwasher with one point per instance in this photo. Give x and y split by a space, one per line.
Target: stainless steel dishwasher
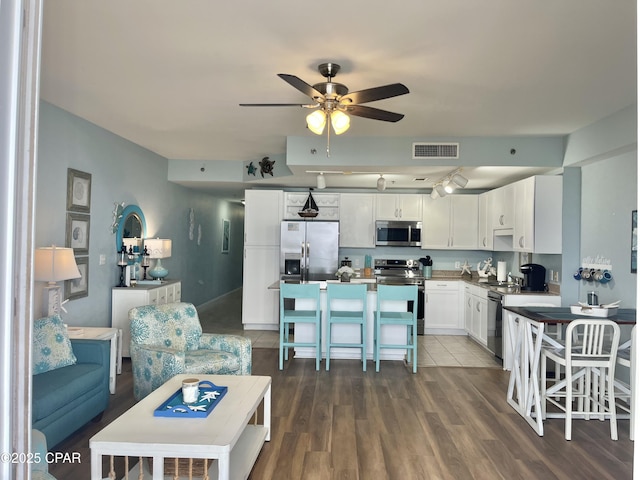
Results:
494 323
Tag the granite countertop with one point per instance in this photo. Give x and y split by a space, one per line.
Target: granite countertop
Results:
442 275
474 279
624 316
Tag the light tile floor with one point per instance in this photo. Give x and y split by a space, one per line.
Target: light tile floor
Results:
224 316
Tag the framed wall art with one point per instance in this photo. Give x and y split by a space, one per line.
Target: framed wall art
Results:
78 191
225 236
78 287
78 233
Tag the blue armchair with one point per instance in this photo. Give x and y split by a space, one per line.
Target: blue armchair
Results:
167 340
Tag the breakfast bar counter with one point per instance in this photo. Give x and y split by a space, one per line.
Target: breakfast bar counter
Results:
391 334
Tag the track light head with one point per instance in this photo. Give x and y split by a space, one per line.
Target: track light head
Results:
459 180
382 184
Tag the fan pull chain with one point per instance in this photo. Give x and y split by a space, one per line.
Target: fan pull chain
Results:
328 136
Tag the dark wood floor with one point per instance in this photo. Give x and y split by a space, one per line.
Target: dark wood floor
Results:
441 423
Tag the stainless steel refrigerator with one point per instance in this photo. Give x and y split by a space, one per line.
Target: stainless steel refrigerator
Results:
308 250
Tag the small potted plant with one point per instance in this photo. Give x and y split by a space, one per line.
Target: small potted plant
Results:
345 273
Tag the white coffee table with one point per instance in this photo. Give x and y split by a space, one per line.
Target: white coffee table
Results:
225 434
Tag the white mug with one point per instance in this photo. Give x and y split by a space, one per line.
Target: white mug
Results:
190 390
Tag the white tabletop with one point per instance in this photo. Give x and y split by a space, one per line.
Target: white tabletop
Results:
139 432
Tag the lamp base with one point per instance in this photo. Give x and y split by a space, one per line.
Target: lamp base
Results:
51 300
158 272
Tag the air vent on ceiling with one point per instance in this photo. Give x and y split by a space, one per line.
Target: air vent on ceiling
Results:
435 150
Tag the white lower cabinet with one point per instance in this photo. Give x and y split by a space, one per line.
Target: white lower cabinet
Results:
124 299
442 313
260 305
475 312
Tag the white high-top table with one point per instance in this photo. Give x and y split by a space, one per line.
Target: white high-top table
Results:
225 434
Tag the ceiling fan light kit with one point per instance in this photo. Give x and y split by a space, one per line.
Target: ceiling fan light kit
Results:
334 101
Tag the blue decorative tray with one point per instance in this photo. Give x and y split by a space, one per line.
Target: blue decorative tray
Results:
210 395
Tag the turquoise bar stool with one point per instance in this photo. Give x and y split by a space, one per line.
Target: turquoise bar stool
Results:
356 293
397 293
299 292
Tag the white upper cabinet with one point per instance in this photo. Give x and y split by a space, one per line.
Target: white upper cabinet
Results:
485 229
399 207
450 222
262 217
357 220
538 214
328 205
502 209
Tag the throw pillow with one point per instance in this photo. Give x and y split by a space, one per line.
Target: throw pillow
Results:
51 345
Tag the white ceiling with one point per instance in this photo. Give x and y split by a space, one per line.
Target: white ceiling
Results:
169 75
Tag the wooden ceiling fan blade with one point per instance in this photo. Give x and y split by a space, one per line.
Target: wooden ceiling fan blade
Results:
303 105
373 113
376 93
301 85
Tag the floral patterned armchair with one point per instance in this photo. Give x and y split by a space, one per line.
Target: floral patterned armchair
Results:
167 340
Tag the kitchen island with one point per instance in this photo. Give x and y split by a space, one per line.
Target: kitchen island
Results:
391 334
528 332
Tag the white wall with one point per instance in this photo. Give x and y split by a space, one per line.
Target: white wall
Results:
608 198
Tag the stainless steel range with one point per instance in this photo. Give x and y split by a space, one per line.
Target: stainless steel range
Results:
403 272
398 272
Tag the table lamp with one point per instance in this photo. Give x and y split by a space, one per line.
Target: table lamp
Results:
158 249
54 264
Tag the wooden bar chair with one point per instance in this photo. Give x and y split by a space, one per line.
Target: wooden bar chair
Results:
392 316
305 294
337 294
592 357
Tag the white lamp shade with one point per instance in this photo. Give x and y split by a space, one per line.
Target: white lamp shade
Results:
54 264
316 121
158 247
340 122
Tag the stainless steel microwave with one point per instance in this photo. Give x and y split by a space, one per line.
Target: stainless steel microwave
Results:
398 233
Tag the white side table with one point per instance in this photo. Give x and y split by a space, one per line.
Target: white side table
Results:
114 335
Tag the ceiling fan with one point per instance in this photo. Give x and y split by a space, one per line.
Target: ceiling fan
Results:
333 101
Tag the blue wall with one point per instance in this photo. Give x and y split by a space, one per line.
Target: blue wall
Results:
125 172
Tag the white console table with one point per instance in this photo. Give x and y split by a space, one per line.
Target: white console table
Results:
114 336
124 299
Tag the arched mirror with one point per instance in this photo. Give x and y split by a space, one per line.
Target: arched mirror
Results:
132 224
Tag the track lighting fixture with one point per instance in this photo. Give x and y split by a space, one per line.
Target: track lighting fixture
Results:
448 184
382 183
